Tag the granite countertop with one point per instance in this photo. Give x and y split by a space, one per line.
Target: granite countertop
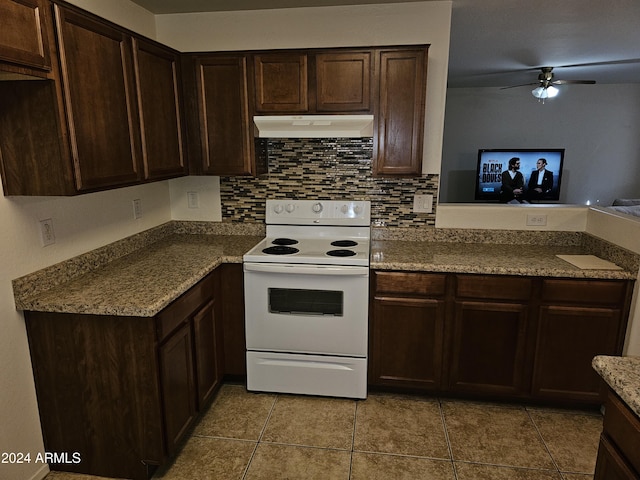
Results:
483 258
622 374
142 274
142 283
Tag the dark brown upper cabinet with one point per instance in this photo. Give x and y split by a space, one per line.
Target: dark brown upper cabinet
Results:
311 81
99 98
281 84
108 114
224 125
343 82
399 134
23 35
160 109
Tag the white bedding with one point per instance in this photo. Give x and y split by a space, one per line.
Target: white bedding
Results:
630 206
628 209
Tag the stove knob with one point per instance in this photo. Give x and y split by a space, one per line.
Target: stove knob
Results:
290 207
344 208
317 207
277 208
357 209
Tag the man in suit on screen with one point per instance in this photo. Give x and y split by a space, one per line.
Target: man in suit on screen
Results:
541 181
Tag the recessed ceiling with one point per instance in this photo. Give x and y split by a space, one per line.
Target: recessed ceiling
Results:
497 43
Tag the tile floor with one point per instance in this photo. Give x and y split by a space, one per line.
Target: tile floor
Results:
249 436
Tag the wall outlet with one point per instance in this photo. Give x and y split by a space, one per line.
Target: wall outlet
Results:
47 235
193 200
137 209
423 203
536 219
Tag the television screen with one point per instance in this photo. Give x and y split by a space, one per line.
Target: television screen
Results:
534 175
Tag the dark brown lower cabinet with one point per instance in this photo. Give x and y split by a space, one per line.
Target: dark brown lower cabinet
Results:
177 376
406 330
488 348
123 391
619 450
232 291
407 339
495 336
568 339
208 350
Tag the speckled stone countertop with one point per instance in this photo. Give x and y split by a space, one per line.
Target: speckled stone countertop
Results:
140 283
622 374
142 274
496 253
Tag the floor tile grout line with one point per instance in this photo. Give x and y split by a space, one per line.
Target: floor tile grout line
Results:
404 455
264 427
302 445
353 437
514 467
546 447
448 440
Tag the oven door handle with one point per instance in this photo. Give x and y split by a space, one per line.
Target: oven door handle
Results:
307 270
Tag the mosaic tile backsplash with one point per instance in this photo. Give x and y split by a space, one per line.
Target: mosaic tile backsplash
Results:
327 169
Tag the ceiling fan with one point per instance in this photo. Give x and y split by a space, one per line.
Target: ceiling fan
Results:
546 84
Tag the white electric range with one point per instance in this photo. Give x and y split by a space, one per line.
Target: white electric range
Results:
306 299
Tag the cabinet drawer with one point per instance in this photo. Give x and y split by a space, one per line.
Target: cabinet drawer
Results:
623 427
584 292
182 308
403 283
493 287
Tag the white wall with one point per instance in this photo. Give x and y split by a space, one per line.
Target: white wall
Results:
622 230
559 218
598 126
80 224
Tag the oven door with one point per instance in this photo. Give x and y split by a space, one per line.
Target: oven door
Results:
318 309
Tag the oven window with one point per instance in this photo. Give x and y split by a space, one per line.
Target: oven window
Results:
306 302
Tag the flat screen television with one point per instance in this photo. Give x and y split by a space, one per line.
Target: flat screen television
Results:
493 162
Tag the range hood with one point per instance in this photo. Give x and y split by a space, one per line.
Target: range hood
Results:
314 126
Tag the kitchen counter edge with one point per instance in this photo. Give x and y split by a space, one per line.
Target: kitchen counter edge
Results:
622 374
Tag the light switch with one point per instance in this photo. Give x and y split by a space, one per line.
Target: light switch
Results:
47 235
423 203
193 200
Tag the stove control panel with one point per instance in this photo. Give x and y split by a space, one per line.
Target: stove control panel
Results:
318 212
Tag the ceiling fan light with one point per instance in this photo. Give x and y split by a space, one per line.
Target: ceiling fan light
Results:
552 91
539 92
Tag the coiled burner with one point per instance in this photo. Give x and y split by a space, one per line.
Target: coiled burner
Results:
341 253
344 243
280 250
284 241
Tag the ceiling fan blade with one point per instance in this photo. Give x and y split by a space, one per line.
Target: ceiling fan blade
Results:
564 82
522 85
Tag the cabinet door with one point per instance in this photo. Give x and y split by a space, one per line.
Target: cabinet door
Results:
178 385
281 83
406 345
488 348
610 465
23 37
99 94
400 118
568 339
232 290
159 106
343 82
206 339
224 115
